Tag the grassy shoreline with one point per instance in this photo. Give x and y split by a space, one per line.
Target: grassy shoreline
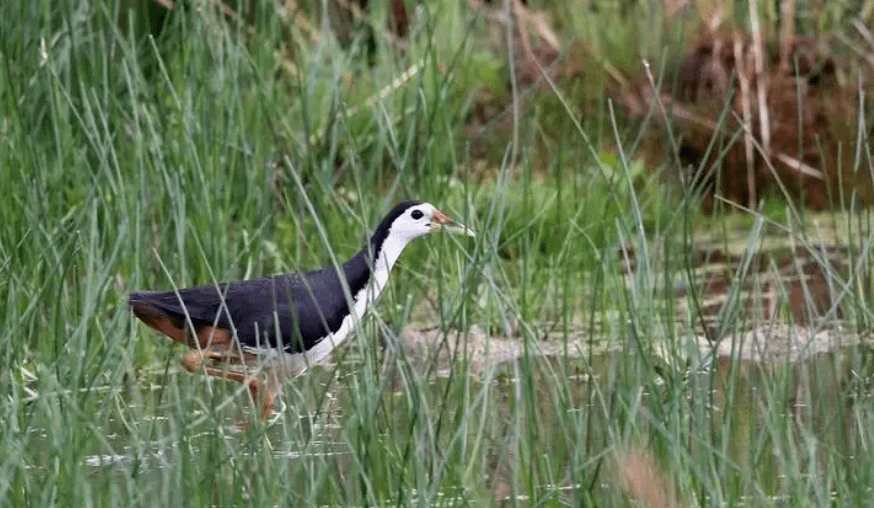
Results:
198 155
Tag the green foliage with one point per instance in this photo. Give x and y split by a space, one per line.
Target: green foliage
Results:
229 140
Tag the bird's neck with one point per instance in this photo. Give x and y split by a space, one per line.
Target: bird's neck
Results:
370 268
385 258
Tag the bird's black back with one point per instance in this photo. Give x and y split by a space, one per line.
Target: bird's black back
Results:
295 311
292 310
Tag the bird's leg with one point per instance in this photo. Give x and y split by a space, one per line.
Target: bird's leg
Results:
266 392
265 403
272 390
192 361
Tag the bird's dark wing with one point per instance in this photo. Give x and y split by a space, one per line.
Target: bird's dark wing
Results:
175 313
293 310
201 304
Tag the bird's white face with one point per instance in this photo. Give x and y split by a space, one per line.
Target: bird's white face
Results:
419 220
414 222
406 222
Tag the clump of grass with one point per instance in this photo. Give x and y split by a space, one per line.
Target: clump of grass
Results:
197 155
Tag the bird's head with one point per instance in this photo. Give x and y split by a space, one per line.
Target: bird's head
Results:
412 219
407 221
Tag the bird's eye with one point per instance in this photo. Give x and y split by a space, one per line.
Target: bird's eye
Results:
417 214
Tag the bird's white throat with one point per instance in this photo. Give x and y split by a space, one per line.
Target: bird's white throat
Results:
388 254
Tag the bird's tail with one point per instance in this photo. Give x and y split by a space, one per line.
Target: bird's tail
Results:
162 321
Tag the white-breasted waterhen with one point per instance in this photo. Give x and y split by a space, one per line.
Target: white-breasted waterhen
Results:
284 323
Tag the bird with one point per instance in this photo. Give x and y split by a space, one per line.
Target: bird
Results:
281 324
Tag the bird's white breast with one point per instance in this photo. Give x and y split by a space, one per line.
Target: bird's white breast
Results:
295 364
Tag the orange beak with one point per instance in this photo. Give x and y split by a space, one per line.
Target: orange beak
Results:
442 222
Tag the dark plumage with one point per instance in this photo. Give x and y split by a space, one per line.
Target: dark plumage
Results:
301 308
237 322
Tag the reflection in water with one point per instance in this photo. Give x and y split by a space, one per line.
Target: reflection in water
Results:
528 426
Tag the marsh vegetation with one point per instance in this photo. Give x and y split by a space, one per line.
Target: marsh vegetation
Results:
668 300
